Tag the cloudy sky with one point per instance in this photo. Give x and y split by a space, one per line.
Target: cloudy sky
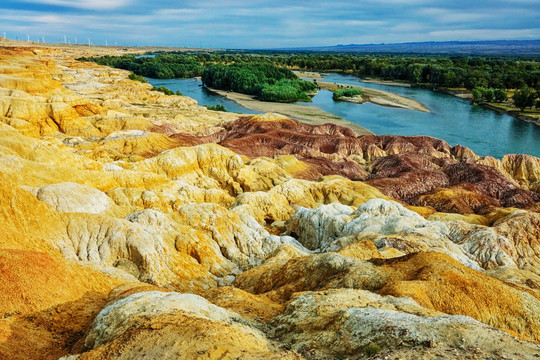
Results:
267 24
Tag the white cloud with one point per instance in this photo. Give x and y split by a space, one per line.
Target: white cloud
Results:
485 34
84 4
448 16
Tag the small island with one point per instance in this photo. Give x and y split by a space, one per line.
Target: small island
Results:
348 94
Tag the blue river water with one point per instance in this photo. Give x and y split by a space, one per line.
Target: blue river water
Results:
452 119
193 88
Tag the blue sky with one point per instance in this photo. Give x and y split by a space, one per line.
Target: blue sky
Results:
267 24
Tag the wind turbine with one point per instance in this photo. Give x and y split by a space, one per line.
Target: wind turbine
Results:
28 37
65 39
5 35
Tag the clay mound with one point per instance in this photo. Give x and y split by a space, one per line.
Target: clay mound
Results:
420 170
33 281
253 307
158 325
265 123
341 322
488 181
307 140
524 168
447 185
27 223
434 280
48 300
405 176
461 199
394 144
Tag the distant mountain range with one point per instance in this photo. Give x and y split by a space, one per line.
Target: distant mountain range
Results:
495 47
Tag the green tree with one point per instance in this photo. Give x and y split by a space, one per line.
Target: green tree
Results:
500 95
524 97
477 94
136 77
489 95
163 89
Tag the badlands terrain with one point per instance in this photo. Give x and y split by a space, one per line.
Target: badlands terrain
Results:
137 225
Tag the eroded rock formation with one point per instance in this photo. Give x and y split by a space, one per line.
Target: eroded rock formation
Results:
136 224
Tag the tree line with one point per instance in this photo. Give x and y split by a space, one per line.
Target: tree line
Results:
264 80
490 76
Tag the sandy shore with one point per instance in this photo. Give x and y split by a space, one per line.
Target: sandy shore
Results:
379 97
308 75
386 82
306 113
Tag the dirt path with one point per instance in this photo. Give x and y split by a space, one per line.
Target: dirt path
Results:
309 114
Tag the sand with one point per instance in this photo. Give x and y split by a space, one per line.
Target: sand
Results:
305 113
379 97
386 82
308 75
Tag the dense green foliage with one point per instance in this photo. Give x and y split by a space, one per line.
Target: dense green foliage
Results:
488 94
261 73
500 95
525 97
433 70
136 77
264 80
163 66
348 92
217 107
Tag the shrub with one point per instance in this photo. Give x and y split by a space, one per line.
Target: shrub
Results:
164 90
348 92
372 349
217 107
136 77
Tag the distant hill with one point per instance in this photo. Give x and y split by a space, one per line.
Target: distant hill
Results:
495 47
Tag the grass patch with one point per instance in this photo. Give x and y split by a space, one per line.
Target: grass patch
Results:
372 349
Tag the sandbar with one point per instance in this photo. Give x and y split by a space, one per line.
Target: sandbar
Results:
305 113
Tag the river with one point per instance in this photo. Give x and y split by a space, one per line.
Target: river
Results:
451 118
193 88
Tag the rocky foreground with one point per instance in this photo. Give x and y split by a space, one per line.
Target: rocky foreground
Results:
142 226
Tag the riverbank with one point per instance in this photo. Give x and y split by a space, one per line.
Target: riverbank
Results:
386 82
305 113
308 74
533 118
388 100
378 97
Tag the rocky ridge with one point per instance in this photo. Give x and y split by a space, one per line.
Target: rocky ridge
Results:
136 223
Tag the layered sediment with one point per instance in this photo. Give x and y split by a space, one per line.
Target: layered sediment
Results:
136 224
